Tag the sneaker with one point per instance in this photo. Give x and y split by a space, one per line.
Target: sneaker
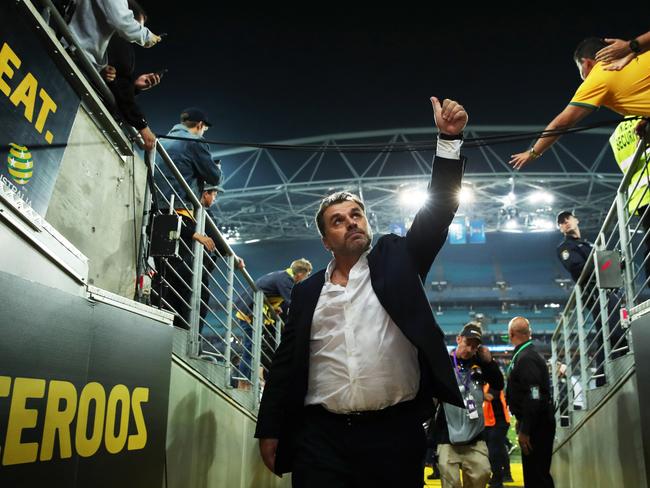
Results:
508 479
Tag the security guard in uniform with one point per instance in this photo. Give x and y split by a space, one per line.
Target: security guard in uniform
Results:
529 397
573 251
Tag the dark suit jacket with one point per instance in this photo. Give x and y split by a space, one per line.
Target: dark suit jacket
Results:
398 268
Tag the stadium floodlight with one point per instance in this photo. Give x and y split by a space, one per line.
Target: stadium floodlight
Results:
510 198
541 196
466 195
511 224
413 198
544 224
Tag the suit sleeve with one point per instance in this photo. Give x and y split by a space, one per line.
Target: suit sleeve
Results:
429 230
278 387
532 378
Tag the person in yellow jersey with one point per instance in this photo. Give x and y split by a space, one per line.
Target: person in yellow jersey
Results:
626 92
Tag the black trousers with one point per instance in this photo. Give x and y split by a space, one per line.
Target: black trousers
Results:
497 451
356 451
537 464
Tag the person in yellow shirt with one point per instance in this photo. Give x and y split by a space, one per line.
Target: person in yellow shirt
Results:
626 92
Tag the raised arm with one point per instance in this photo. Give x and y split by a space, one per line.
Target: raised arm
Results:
428 232
566 119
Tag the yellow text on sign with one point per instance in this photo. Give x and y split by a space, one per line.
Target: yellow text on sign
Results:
24 92
104 423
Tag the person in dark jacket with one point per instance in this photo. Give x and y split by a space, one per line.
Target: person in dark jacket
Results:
460 431
362 357
574 252
529 397
191 155
121 80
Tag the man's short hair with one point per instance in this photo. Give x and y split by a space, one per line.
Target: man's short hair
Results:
333 199
588 48
301 265
190 124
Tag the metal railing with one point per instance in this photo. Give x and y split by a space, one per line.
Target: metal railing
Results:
591 335
230 321
231 325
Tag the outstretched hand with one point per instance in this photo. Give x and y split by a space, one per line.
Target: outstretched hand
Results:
521 159
450 116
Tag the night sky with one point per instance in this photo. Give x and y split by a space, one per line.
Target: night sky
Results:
272 74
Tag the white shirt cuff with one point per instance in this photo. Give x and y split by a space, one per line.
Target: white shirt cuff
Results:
449 149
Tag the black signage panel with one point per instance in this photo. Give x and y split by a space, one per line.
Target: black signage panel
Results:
84 390
37 110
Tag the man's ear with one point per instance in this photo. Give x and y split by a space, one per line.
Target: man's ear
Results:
325 244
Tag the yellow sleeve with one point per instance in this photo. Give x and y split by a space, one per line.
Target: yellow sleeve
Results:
592 92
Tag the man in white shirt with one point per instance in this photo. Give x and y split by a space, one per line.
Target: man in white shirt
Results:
361 356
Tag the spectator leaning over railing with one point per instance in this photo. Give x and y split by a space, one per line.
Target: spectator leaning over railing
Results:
191 155
95 21
619 53
626 92
121 80
277 287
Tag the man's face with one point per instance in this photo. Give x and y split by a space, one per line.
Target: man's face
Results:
346 229
467 347
201 128
208 198
569 225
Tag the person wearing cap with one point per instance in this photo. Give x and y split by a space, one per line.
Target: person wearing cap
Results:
460 431
573 252
528 395
191 155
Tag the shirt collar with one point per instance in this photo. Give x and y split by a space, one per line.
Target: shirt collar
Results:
363 259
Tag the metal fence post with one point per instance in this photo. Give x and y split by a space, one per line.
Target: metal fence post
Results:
197 280
143 248
604 314
623 231
554 374
258 326
582 344
569 368
230 290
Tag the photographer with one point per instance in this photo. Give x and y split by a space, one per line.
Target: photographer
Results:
461 440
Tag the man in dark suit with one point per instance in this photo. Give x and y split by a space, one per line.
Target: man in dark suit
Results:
361 357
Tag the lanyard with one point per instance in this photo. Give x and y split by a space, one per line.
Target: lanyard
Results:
512 362
467 379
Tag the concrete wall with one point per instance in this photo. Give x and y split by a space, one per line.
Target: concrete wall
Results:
94 207
210 440
607 450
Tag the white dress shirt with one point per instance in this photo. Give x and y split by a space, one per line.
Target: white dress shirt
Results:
359 359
